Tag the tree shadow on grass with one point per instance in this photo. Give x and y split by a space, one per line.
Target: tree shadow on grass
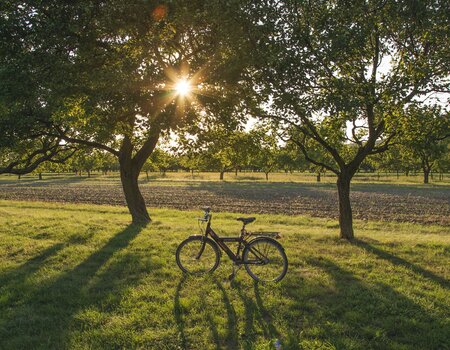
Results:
45 312
31 265
444 283
14 279
354 314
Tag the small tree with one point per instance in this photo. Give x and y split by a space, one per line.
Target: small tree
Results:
162 160
424 130
266 157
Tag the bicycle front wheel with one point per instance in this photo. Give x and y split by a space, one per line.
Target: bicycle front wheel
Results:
198 255
265 260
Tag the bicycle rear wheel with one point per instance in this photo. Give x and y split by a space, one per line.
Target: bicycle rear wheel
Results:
265 260
198 255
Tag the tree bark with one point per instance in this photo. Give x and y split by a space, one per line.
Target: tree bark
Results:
318 176
345 208
426 167
129 174
426 173
40 176
267 176
221 175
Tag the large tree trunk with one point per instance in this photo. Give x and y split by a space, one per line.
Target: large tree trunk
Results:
130 167
318 176
221 175
345 208
135 202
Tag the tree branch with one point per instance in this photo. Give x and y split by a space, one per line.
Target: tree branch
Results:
311 160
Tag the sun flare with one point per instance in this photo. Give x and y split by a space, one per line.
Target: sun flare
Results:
183 87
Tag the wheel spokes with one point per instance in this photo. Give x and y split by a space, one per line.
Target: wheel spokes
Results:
271 261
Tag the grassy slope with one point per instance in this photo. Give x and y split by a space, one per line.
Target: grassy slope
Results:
77 276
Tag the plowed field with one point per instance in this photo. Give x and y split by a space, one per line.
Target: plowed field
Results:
410 203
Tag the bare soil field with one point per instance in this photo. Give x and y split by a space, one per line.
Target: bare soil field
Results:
406 203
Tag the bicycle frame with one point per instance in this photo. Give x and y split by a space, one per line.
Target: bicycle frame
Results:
220 241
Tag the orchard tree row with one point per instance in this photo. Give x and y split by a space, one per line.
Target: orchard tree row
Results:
420 149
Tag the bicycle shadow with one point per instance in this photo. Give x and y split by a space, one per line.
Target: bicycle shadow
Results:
256 314
255 324
230 339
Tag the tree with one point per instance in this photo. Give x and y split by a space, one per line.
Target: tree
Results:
267 153
102 74
162 160
443 163
424 130
219 145
189 159
86 160
287 159
341 73
391 160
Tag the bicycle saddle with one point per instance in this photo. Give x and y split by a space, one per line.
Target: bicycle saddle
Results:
246 220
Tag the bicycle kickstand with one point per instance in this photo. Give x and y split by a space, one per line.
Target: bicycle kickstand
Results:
234 273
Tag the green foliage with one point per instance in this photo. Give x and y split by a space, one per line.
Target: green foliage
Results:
219 147
423 134
342 74
160 160
101 74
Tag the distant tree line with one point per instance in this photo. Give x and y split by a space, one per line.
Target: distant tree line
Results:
423 148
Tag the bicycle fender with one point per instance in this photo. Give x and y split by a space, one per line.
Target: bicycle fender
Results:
194 236
267 238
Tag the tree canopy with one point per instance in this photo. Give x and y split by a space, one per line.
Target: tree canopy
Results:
102 74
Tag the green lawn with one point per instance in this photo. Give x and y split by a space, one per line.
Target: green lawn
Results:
79 277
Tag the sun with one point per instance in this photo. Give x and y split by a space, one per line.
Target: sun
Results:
183 87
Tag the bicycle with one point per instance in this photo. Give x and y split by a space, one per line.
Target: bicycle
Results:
263 256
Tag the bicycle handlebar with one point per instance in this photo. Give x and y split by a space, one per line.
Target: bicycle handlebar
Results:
207 214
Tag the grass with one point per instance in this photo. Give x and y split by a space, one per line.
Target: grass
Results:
79 277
